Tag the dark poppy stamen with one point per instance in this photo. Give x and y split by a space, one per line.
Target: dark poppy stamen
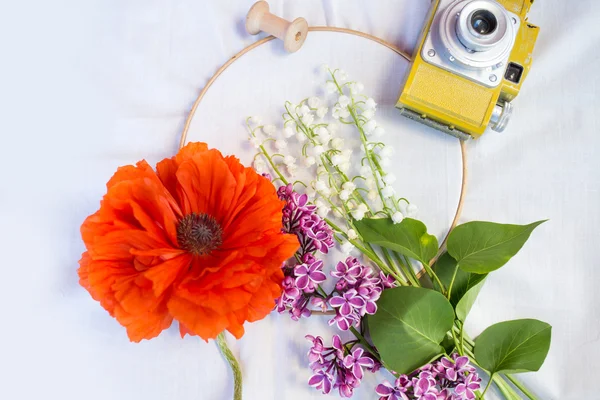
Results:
199 234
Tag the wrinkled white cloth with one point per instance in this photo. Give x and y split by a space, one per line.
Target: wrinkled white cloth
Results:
88 86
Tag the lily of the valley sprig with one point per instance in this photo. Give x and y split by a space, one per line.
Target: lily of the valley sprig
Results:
337 189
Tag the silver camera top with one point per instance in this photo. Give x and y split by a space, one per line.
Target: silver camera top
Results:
472 38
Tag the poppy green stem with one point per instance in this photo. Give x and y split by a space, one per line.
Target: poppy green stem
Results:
233 363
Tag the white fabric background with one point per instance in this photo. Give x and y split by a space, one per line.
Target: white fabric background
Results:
88 86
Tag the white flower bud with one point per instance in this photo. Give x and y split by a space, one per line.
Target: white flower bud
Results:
325 68
259 165
318 150
369 127
379 131
358 215
356 87
370 182
386 152
344 195
347 153
309 161
341 75
344 113
336 112
349 186
389 179
301 137
314 102
255 119
308 119
370 104
255 142
345 167
344 101
323 136
359 212
320 203
337 143
387 192
322 112
337 159
330 87
412 210
352 235
333 128
289 160
347 248
323 211
288 132
280 144
292 169
397 217
269 130
303 110
372 195
320 186
368 114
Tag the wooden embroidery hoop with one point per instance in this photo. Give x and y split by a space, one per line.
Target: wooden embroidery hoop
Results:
390 46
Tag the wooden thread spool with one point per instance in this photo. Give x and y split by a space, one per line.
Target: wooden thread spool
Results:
292 33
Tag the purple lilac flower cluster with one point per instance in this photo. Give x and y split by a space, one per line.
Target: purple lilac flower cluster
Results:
358 289
446 379
303 278
336 367
300 218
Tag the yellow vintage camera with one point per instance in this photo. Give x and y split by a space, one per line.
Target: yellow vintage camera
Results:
469 64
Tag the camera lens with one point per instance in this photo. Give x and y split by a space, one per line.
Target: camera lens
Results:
484 22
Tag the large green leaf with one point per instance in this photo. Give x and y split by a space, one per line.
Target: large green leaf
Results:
463 307
409 237
409 326
465 288
482 247
513 346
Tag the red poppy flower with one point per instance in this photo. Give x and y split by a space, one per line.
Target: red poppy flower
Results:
198 241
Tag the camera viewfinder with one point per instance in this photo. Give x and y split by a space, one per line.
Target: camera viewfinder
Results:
514 72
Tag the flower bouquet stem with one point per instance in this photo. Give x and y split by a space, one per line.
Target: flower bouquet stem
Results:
234 365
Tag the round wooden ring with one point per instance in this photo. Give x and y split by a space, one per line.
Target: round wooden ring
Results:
463 188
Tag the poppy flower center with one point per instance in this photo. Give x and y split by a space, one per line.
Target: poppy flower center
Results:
199 233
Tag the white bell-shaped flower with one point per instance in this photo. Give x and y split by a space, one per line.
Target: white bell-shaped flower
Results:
322 112
352 235
397 217
314 102
387 192
370 104
370 126
288 132
269 129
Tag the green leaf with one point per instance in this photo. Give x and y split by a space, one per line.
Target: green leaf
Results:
482 247
463 307
466 285
409 237
409 326
513 346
